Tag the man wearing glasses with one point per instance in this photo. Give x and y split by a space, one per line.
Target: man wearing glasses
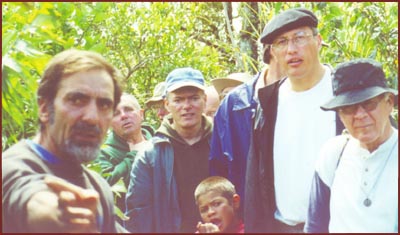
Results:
355 187
289 126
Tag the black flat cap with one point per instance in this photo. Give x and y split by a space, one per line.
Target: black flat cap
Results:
356 81
286 21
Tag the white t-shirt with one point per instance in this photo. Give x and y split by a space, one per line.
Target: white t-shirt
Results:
300 131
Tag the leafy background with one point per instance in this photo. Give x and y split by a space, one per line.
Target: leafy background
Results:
146 41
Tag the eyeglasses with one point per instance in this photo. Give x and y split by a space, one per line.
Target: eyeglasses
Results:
300 39
368 106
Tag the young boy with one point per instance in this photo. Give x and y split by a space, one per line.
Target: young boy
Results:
218 205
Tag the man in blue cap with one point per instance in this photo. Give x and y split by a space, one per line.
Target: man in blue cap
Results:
289 127
165 175
355 186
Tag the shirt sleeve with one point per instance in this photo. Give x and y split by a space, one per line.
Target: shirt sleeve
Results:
318 215
318 211
139 206
218 159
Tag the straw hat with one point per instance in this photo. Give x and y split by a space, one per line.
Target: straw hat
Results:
232 80
158 95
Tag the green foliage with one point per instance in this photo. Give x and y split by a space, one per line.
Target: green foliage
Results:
21 65
118 188
364 30
145 41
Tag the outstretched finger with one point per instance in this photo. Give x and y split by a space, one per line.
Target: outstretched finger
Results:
58 185
66 198
78 219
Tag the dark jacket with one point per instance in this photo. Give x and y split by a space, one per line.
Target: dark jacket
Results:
260 205
24 167
152 199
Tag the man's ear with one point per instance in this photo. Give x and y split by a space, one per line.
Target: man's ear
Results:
319 39
43 111
141 111
392 99
166 105
236 201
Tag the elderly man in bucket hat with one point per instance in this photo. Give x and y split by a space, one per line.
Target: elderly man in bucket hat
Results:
289 127
355 186
165 175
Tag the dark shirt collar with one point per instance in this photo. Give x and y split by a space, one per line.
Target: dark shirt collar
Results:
43 153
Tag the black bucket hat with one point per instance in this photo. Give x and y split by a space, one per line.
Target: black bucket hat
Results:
356 81
283 22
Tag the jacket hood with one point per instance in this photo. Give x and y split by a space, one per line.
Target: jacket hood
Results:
115 141
167 129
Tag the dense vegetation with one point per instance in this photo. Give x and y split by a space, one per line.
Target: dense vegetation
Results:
145 41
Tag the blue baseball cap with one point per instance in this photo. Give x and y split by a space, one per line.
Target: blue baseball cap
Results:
183 77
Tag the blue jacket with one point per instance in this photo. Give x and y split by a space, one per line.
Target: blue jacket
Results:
230 140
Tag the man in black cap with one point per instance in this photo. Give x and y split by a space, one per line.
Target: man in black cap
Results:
289 126
232 127
355 187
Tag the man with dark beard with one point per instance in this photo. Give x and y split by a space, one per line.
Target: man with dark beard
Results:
46 187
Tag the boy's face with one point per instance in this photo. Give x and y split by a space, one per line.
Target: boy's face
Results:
216 209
